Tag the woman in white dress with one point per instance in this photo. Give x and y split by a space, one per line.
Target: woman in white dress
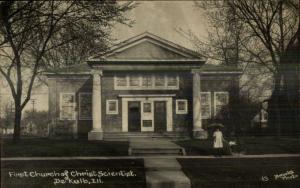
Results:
218 141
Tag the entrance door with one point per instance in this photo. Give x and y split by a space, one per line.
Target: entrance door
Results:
160 116
134 116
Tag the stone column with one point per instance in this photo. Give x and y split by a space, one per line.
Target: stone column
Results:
198 132
96 133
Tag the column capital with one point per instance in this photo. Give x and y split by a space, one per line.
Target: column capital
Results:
97 71
196 71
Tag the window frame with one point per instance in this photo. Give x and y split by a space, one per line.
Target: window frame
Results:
167 81
61 106
210 111
215 101
143 107
141 87
79 106
107 107
121 87
185 111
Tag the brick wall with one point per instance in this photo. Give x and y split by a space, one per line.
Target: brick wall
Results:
111 123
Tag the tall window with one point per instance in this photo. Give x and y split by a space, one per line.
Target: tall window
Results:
205 105
67 106
85 106
221 101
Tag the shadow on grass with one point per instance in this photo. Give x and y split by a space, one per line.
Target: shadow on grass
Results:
43 147
240 173
245 145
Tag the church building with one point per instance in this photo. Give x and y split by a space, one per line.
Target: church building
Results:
145 86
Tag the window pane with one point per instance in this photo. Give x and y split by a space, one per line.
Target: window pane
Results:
147 123
221 98
134 81
159 81
112 106
85 106
205 98
172 81
147 81
147 107
67 106
67 112
67 99
121 81
221 102
181 106
205 111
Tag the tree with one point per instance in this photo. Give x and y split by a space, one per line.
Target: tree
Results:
273 24
262 34
31 30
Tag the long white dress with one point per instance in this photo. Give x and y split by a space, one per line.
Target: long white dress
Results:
218 142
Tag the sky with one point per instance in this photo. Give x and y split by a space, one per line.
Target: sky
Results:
162 18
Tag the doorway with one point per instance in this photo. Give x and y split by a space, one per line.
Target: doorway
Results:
160 116
134 116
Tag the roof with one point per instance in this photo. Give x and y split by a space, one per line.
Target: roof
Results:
173 57
82 68
219 68
151 38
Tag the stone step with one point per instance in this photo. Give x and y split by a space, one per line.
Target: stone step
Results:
119 136
166 151
155 164
167 179
154 151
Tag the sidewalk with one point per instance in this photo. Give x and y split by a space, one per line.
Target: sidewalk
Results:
145 157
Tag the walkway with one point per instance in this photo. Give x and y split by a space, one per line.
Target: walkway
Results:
154 146
160 172
146 157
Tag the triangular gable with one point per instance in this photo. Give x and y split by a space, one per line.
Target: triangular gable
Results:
149 47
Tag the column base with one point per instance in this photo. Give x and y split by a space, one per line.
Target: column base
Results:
95 135
200 134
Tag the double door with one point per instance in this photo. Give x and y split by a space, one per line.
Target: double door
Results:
147 116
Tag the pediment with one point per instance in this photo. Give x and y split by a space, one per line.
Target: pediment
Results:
149 47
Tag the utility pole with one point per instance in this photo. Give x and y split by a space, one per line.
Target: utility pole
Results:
33 103
32 115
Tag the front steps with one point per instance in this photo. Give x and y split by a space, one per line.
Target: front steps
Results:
154 147
156 151
165 173
125 136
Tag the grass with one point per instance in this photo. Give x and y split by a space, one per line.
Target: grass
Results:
38 147
242 172
136 178
200 147
269 145
245 145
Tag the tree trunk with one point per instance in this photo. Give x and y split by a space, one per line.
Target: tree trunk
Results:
17 121
274 106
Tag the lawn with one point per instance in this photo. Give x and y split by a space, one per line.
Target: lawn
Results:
243 172
38 147
245 145
109 173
